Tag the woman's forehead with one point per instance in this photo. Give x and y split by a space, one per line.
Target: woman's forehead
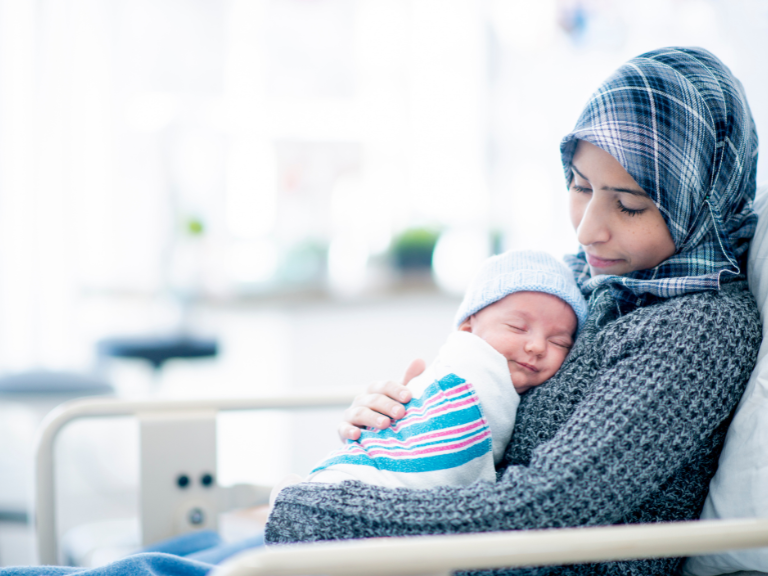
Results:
601 169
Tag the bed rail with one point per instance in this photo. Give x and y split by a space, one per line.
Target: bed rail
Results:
45 493
424 555
442 555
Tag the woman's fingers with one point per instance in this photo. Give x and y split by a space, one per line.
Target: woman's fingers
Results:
394 391
348 432
382 404
373 410
356 417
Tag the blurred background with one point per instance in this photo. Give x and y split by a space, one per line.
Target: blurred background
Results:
294 191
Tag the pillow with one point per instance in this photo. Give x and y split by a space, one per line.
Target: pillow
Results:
740 486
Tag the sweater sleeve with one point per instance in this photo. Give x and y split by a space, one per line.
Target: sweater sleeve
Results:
660 392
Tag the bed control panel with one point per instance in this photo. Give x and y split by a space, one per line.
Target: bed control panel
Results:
178 474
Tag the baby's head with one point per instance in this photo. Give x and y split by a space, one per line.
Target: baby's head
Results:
527 306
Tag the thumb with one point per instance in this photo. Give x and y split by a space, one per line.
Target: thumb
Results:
417 367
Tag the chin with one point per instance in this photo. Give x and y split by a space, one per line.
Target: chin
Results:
524 387
612 271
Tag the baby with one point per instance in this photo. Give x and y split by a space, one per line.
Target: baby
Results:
515 327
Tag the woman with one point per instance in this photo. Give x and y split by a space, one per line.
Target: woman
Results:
661 174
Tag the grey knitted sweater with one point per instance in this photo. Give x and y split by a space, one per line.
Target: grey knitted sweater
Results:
629 430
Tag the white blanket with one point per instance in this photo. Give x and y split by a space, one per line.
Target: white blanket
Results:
454 431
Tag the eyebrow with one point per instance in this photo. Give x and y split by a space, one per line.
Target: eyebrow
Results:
522 313
633 191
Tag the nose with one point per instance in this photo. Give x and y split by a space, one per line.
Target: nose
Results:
536 345
593 228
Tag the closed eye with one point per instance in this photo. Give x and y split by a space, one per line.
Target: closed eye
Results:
566 345
581 189
630 211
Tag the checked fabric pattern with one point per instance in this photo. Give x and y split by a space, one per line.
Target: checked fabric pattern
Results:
678 121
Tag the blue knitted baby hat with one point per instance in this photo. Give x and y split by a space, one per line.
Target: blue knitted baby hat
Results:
521 271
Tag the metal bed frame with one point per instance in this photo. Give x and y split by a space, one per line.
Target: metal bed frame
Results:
423 555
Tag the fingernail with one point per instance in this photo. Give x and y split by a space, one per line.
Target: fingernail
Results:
403 396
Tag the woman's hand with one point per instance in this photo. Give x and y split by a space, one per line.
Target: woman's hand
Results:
382 402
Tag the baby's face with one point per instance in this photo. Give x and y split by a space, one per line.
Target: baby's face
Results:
532 330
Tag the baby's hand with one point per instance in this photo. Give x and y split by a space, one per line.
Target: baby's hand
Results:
287 481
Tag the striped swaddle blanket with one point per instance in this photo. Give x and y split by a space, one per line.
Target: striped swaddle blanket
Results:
453 433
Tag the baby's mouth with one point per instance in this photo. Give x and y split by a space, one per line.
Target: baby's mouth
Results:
527 366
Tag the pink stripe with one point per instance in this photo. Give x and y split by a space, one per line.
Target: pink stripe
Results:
441 396
438 404
384 442
436 409
431 449
406 422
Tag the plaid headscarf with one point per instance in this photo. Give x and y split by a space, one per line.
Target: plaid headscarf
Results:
678 121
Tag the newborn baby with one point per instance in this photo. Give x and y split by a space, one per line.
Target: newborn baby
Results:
515 327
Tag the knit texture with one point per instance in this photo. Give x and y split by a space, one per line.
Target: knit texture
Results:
629 430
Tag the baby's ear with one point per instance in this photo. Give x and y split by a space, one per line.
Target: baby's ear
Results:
466 326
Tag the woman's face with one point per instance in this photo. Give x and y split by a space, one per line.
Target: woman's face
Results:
616 222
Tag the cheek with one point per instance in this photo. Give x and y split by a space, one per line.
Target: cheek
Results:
504 343
557 358
657 246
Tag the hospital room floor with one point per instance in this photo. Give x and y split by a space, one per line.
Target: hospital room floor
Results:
266 348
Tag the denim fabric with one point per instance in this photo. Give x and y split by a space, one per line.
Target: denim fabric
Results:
146 564
218 554
187 544
205 546
192 554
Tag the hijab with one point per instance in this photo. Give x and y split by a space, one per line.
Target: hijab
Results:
679 123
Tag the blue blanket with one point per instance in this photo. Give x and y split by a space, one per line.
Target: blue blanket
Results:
192 554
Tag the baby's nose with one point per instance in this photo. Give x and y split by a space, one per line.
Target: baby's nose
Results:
536 345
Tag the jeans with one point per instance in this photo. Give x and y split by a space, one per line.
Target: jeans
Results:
192 554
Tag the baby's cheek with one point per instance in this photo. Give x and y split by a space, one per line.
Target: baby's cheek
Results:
561 358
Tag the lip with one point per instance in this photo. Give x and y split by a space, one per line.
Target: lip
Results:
597 262
527 366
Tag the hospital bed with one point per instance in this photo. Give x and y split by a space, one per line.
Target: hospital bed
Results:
179 490
168 508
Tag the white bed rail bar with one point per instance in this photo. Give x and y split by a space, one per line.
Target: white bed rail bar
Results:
442 555
45 494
